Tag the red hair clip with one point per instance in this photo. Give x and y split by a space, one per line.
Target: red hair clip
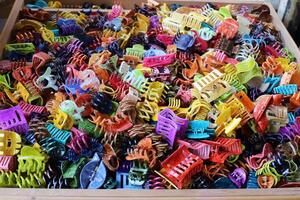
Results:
38 61
257 161
180 166
23 74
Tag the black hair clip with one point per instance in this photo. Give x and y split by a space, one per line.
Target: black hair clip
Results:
102 102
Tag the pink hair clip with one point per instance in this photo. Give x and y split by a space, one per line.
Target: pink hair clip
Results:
156 61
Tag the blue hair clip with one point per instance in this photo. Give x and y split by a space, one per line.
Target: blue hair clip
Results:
270 83
286 89
60 136
93 174
38 4
252 180
114 25
199 129
291 117
183 41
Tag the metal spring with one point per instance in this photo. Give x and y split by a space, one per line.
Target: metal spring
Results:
78 59
37 127
12 179
155 182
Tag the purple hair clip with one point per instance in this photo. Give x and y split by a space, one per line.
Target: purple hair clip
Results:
170 126
13 119
238 177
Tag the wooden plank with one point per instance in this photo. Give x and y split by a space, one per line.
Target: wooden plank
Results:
9 25
242 194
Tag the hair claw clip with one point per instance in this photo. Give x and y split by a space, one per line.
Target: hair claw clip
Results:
23 74
180 166
110 158
59 135
62 120
93 174
183 41
211 86
47 78
28 109
79 141
286 89
13 119
11 143
19 50
238 177
198 148
156 61
70 108
8 163
72 172
228 28
199 129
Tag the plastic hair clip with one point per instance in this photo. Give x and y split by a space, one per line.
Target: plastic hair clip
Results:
199 129
62 120
60 136
52 147
211 86
8 163
110 158
156 61
70 108
252 180
198 148
180 166
72 172
155 182
238 177
269 84
286 89
93 174
265 181
38 4
20 48
183 41
228 28
23 74
79 141
13 119
84 100
39 15
29 108
72 86
48 78
102 102
31 160
10 143
137 50
136 79
258 160
138 173
144 151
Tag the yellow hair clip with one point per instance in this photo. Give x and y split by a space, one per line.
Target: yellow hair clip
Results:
10 143
62 120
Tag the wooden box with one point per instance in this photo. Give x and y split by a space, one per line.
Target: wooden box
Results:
208 194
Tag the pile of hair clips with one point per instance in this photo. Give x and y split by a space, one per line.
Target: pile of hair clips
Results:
157 97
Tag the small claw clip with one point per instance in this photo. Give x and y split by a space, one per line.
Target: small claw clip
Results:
93 174
39 60
137 50
238 177
211 86
47 78
156 61
228 28
62 120
289 89
183 41
199 129
8 163
23 74
10 143
110 158
196 147
70 108
13 119
59 135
